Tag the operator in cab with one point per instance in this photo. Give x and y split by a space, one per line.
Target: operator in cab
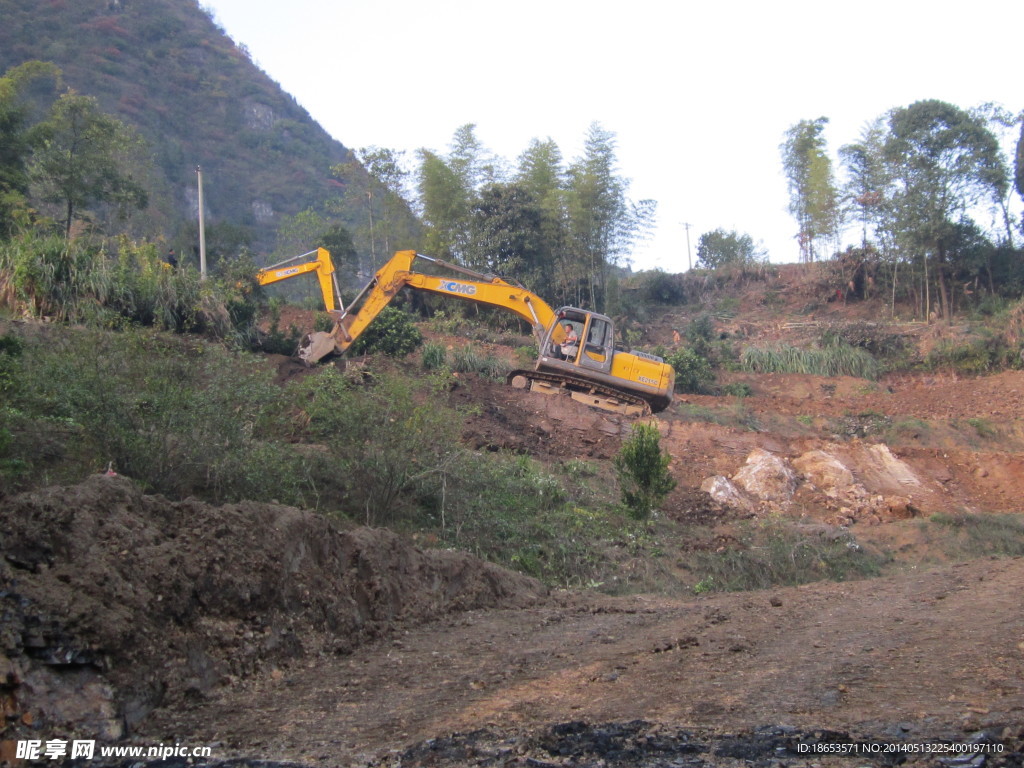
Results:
569 342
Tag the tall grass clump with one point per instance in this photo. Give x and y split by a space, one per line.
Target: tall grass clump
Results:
434 356
112 284
837 359
469 359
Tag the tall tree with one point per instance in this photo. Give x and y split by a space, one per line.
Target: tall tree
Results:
603 223
445 204
812 190
15 145
469 160
507 232
542 173
1001 122
385 168
79 159
943 161
1018 166
866 173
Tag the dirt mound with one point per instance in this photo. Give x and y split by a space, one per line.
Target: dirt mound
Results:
115 602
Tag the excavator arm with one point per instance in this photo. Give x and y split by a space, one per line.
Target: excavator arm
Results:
323 266
396 274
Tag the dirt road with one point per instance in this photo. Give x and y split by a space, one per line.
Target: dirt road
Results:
927 655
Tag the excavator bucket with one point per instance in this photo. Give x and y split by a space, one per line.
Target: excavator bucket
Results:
316 346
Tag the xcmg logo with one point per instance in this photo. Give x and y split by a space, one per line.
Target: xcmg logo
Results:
454 287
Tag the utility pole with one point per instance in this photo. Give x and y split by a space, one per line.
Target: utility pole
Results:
202 229
689 256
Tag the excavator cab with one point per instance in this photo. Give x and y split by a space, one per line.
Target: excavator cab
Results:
591 370
593 346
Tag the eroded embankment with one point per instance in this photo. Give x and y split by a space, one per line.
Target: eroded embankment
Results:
114 602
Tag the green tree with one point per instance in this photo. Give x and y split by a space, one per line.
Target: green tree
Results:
507 223
1018 167
867 177
541 171
643 471
15 146
1002 123
445 203
338 241
299 233
814 200
720 248
386 196
943 161
79 159
603 222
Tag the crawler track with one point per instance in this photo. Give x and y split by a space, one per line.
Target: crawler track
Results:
585 387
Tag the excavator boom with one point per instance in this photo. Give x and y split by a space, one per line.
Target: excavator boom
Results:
398 274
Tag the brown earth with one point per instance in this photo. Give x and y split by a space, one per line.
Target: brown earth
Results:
272 633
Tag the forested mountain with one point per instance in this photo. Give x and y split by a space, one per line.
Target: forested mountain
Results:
166 68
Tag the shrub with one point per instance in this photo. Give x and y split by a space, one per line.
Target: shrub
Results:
982 535
643 471
178 416
868 336
662 288
391 333
276 341
701 330
989 353
511 510
693 371
738 389
386 450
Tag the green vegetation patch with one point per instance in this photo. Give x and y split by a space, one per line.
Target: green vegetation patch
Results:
980 535
838 359
774 552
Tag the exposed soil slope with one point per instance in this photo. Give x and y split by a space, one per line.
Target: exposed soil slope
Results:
115 602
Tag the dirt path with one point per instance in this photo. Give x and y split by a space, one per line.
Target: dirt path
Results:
935 654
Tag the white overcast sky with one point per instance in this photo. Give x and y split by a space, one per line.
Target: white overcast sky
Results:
699 95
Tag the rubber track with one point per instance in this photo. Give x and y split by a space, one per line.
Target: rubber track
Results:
582 385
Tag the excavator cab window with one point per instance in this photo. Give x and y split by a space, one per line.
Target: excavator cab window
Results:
598 349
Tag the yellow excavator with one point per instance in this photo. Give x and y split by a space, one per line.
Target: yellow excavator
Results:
322 265
577 347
